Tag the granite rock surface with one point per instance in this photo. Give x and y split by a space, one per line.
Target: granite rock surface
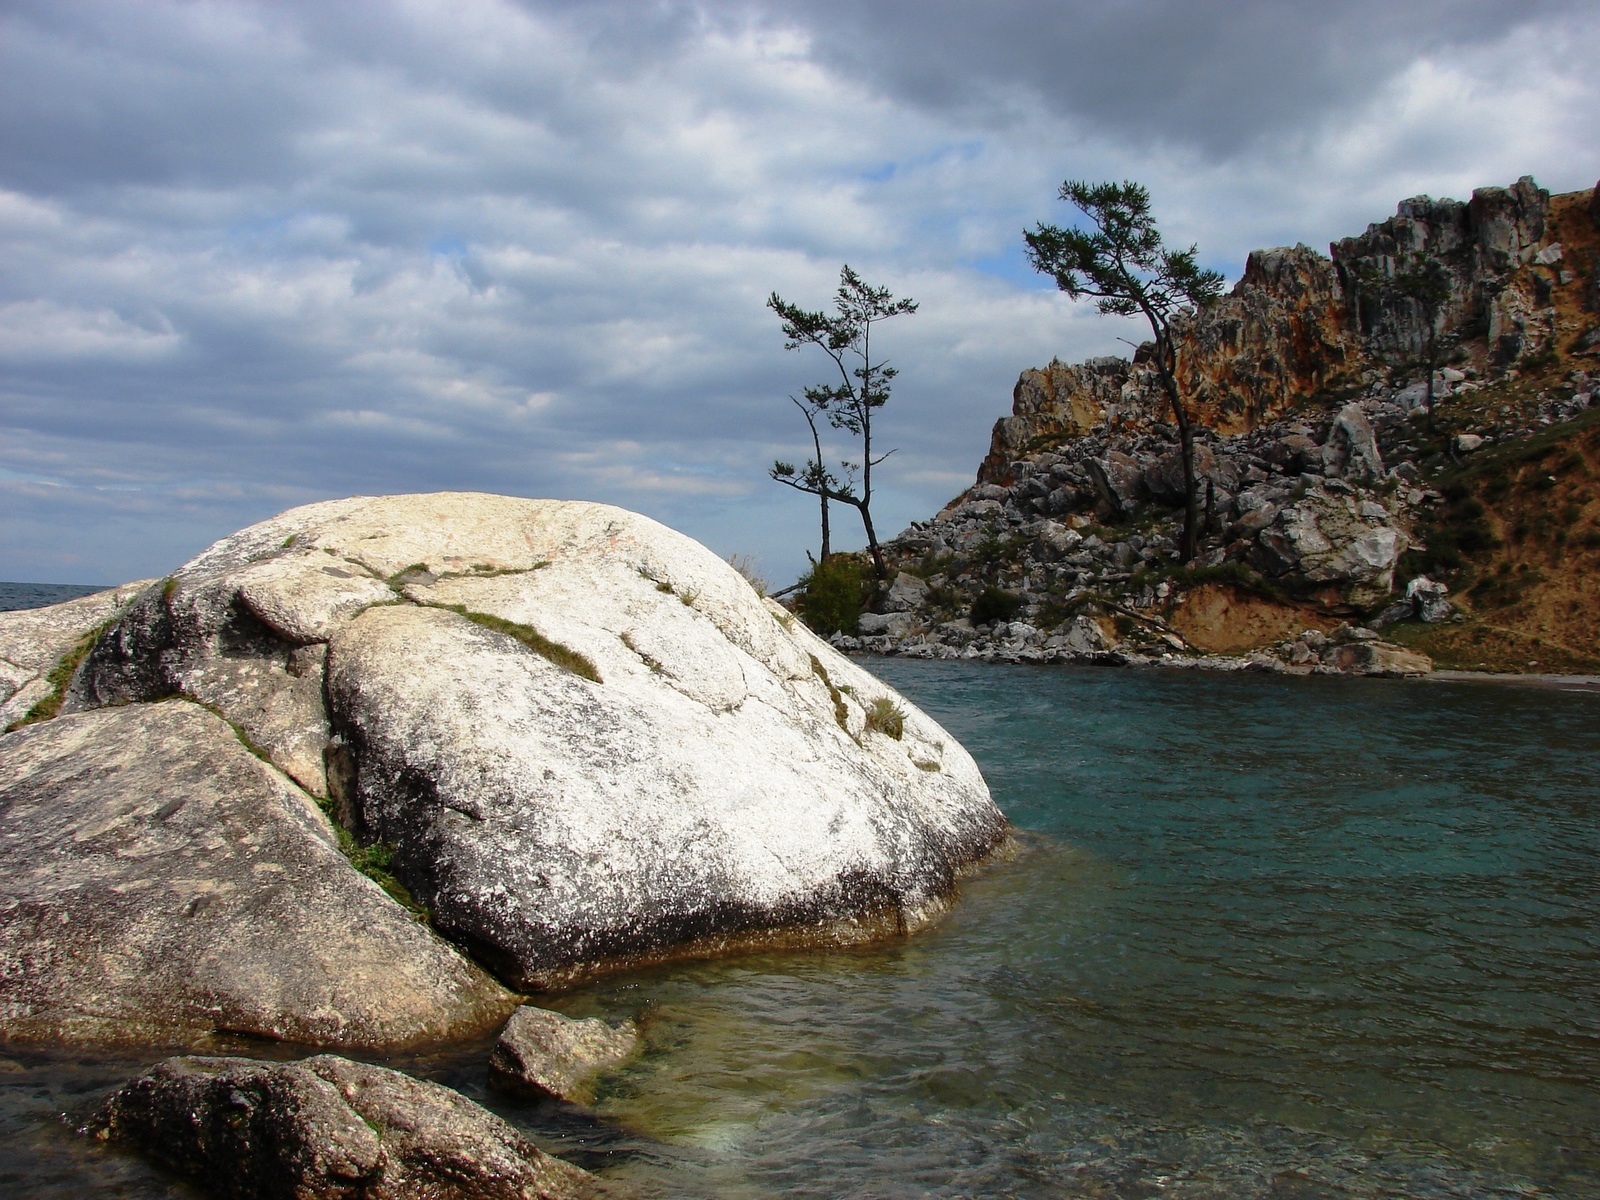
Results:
588 739
158 882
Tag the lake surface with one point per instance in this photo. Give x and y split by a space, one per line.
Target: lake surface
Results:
15 596
1263 937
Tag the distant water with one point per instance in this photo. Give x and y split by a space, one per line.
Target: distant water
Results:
1275 938
37 595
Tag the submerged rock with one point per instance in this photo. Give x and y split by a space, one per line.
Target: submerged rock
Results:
588 739
158 882
328 1127
542 1053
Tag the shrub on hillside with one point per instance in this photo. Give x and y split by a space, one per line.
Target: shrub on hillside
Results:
833 593
992 604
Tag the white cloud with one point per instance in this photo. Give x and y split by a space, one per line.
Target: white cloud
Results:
41 331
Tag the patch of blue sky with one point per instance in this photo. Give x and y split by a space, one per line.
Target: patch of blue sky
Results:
1012 265
963 151
305 226
447 246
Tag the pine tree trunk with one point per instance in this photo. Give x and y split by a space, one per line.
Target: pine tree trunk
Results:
872 542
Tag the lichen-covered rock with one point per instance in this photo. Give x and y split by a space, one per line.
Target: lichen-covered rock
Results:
1334 538
541 1053
34 640
589 740
244 634
328 1127
158 882
1352 447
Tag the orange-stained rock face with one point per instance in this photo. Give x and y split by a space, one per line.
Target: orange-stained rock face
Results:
1279 336
1298 324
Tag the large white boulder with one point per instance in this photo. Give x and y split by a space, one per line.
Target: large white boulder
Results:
696 772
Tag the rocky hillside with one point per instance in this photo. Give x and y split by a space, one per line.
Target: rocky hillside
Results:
1346 528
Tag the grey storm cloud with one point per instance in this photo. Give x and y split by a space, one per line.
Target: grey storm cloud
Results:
254 254
1215 75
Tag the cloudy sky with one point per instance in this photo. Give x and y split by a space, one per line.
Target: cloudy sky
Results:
258 254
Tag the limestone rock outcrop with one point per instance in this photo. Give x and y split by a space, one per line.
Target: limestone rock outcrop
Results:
328 1127
1282 332
1481 244
1298 323
1333 537
586 737
158 882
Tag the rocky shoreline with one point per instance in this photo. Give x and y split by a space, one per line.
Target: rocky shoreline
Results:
1347 528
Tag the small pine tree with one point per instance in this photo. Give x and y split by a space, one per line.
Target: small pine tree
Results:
845 336
1123 265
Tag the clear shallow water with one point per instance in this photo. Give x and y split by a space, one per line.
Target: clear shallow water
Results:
1263 937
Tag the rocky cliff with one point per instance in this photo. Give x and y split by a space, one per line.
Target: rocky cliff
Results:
1336 505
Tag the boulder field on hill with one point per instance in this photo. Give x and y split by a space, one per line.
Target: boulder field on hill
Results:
578 738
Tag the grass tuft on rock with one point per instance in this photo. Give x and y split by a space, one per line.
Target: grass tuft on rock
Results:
841 714
60 677
376 862
886 717
416 573
564 657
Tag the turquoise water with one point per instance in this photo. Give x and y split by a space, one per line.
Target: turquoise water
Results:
1261 938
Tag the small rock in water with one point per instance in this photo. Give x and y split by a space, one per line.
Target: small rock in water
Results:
327 1126
542 1053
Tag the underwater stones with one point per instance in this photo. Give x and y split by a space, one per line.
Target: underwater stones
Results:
330 1127
542 1053
587 737
158 882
